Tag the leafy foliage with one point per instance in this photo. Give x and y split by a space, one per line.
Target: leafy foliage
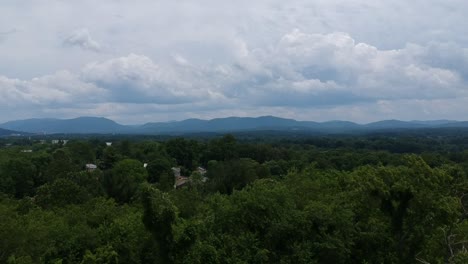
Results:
373 199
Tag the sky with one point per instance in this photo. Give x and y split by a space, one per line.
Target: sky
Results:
138 61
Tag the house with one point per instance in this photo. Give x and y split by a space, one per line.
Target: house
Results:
176 171
181 181
108 144
91 167
57 141
201 170
26 150
145 165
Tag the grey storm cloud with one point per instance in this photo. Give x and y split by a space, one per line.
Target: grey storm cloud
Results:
357 60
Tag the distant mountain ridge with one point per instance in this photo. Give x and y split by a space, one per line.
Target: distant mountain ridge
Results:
80 125
100 125
7 132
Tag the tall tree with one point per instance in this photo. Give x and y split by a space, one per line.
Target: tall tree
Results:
20 173
159 216
124 180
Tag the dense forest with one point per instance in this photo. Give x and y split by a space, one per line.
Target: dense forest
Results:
235 199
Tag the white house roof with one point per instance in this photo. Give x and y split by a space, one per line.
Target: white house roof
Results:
91 166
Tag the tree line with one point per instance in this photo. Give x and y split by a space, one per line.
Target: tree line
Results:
353 199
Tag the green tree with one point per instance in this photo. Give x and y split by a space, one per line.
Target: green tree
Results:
414 201
59 193
110 156
18 177
124 180
222 149
226 176
185 152
159 216
60 165
103 255
158 167
81 153
90 181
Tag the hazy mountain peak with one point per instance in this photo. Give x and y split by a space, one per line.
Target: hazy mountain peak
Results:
101 125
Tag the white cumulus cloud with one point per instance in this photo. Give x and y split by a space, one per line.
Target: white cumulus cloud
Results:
82 38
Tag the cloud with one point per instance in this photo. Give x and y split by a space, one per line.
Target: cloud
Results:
82 39
333 69
306 59
59 89
137 79
5 34
300 71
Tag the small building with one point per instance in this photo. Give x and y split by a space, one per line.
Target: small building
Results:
176 171
26 151
108 144
91 167
201 170
145 165
57 141
181 181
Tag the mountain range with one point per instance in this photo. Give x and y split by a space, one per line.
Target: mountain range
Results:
6 132
100 125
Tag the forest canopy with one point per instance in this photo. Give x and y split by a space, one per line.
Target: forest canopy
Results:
227 199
